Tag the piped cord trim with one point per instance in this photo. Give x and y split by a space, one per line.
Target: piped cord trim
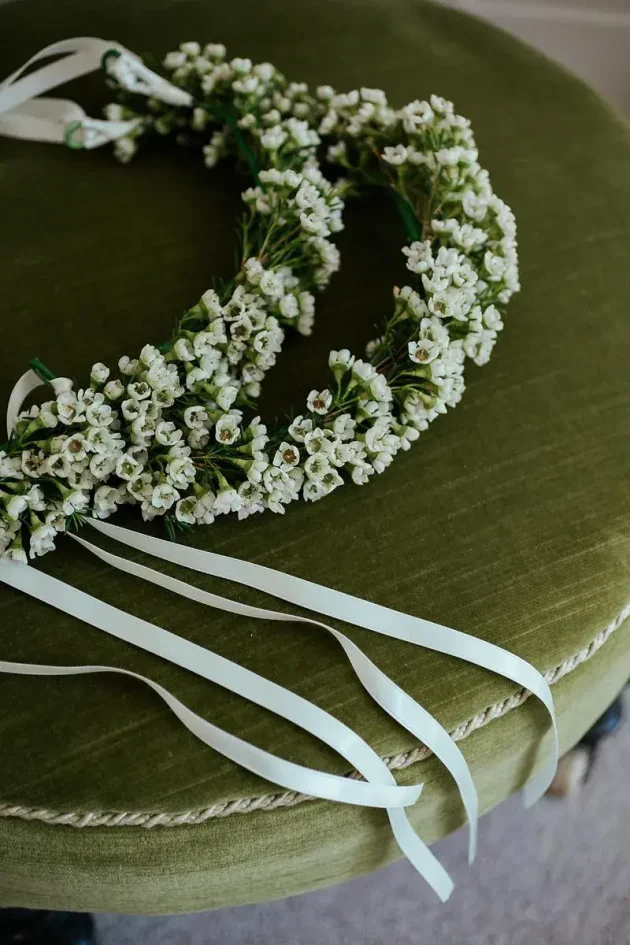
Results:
269 802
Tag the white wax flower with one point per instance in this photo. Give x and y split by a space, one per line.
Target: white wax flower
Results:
227 429
319 401
164 496
15 505
127 467
185 510
41 540
181 472
286 456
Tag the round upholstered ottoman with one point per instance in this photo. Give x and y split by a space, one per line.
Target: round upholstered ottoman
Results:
509 520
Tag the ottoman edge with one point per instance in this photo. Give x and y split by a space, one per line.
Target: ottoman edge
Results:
285 799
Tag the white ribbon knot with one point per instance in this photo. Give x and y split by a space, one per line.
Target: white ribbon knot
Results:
24 115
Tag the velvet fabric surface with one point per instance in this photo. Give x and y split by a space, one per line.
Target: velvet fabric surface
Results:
510 519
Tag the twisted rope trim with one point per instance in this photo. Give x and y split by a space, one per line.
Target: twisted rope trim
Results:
267 802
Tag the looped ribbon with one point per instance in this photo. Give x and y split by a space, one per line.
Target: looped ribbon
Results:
21 116
24 115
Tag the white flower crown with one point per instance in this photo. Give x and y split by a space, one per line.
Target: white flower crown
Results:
168 430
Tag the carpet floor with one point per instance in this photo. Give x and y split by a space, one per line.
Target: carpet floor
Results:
558 874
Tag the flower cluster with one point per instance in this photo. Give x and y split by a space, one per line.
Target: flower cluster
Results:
173 430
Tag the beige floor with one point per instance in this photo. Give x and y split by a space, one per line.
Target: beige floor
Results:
558 874
591 37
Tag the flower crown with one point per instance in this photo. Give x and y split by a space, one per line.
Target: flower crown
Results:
173 430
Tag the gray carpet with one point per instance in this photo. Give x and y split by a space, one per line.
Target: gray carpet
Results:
555 875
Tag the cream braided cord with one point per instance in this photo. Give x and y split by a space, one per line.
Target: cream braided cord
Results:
268 802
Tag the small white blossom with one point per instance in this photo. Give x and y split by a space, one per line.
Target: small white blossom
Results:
99 414
181 472
167 434
273 138
196 377
226 396
114 390
70 409
36 499
164 496
128 366
41 540
379 389
10 467
210 300
75 448
227 500
363 372
289 306
102 466
317 466
127 467
195 417
139 390
184 350
203 508
99 373
415 115
419 256
318 440
344 426
495 266
105 502
492 318
299 427
15 552
227 429
286 456
185 510
395 156
14 505
32 464
340 362
319 401
75 501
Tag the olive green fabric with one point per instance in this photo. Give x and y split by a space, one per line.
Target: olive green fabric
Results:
509 520
258 856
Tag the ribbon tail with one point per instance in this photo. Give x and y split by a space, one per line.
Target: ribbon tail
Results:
291 776
362 613
250 685
394 700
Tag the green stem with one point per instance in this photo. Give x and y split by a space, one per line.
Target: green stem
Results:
42 371
246 152
408 216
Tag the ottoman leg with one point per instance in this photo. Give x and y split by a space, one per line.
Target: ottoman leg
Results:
34 927
575 767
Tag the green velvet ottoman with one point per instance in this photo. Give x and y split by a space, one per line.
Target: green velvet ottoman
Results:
510 520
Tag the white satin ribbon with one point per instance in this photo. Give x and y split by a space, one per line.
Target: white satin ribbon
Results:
24 115
362 613
381 789
237 679
386 693
397 703
294 777
29 382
